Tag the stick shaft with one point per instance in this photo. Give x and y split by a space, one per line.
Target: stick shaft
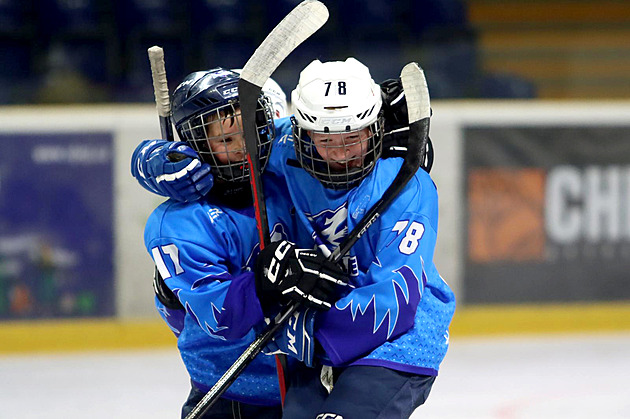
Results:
240 364
304 20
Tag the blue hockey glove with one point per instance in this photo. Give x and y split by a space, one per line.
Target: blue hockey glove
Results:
171 169
302 275
296 338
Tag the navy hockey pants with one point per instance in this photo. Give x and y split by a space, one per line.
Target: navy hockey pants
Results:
359 392
228 409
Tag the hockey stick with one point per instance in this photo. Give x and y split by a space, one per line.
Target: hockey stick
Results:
163 106
303 21
419 109
160 89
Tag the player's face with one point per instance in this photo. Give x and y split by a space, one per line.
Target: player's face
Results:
343 150
225 138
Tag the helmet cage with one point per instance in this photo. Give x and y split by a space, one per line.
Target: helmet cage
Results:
195 131
345 178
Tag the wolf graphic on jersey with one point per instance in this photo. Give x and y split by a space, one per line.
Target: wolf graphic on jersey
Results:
331 225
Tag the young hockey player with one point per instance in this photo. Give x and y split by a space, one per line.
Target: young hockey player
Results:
386 337
205 249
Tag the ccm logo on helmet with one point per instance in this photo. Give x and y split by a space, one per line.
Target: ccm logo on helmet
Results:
230 92
337 120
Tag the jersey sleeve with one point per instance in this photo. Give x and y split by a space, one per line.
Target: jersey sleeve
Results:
388 271
195 258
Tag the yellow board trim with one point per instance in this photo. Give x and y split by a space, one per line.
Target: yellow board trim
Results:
79 335
519 319
82 335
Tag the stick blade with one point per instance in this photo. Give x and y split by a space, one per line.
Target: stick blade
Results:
416 92
303 21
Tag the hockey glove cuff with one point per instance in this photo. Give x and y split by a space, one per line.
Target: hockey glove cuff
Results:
296 338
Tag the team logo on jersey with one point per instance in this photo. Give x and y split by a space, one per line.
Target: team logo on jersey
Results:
212 329
285 138
332 225
214 213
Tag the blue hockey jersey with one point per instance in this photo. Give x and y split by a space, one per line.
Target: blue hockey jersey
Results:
398 313
205 252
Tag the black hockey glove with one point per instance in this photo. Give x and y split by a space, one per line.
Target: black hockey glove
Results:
396 125
394 105
301 275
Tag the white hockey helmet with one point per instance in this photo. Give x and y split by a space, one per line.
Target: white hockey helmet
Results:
337 97
276 96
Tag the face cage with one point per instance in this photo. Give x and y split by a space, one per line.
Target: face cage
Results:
318 167
195 132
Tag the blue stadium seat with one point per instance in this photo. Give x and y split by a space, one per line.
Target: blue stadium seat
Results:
150 16
423 16
17 39
15 59
368 20
68 16
85 31
14 15
507 86
451 66
142 24
224 17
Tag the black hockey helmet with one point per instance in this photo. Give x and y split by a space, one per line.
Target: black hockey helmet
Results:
207 97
